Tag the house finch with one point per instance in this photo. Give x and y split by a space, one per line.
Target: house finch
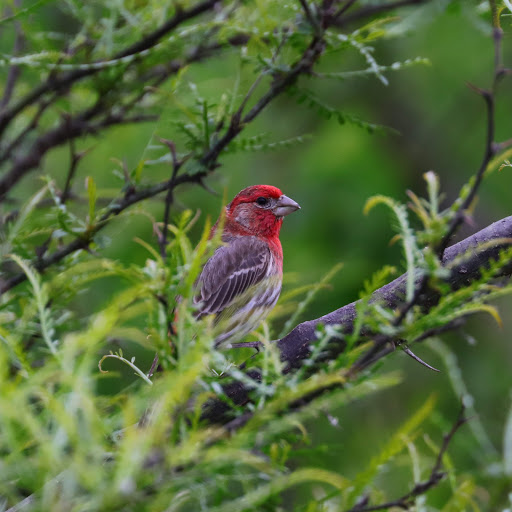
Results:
241 282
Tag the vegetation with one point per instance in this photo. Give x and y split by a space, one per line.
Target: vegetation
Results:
116 119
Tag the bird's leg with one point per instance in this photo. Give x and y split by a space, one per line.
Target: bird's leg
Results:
249 344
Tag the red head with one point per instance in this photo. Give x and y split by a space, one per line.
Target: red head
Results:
259 211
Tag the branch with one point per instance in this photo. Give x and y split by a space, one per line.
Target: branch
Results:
74 159
303 66
478 252
70 128
406 501
32 125
371 10
115 208
311 17
460 210
176 164
465 261
85 122
491 147
14 71
58 84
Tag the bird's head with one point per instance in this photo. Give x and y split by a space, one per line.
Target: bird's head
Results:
260 210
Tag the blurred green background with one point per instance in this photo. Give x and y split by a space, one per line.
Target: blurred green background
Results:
438 124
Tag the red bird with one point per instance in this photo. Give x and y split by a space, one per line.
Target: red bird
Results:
241 282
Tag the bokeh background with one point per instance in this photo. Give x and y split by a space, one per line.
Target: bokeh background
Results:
436 123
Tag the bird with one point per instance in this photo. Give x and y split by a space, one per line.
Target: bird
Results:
241 282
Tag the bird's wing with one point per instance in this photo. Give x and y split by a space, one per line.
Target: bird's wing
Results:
232 270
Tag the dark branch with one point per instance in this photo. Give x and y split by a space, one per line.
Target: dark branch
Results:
83 241
181 16
70 128
311 17
74 160
303 66
490 146
90 121
344 8
32 125
14 71
176 164
372 10
478 252
465 260
61 83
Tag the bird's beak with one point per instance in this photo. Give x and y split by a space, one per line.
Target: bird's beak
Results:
285 206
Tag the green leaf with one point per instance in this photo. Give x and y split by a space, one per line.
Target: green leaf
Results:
41 299
21 13
407 236
130 363
91 193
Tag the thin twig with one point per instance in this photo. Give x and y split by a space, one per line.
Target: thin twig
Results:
412 355
176 164
371 10
154 366
32 125
406 501
490 146
14 70
311 17
302 66
342 10
74 160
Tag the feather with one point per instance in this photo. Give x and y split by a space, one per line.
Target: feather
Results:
231 271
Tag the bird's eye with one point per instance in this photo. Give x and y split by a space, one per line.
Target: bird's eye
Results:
262 201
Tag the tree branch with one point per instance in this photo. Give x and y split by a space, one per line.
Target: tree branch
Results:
491 147
58 84
176 164
478 251
89 121
371 10
115 208
462 205
14 71
465 260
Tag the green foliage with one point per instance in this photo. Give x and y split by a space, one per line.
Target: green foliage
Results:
89 449
84 447
86 422
310 100
424 263
401 438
